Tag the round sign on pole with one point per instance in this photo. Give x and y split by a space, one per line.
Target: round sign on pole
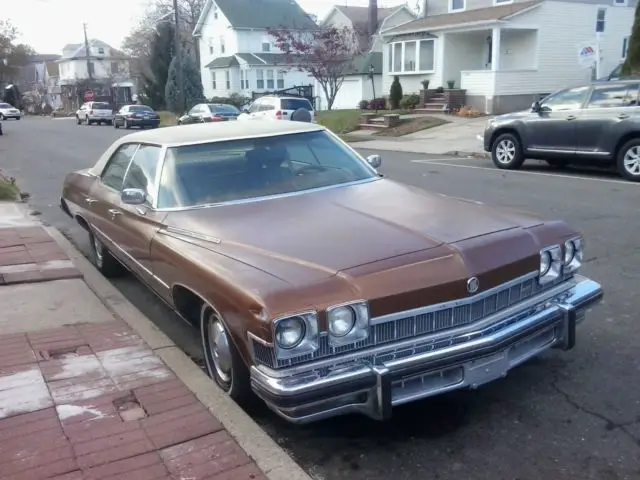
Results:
88 95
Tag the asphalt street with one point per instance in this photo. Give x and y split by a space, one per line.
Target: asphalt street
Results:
567 415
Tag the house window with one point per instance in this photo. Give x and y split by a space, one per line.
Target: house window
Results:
115 68
260 79
600 20
625 46
415 56
280 79
269 78
100 51
221 44
266 47
620 3
211 49
227 77
215 11
502 2
457 5
213 80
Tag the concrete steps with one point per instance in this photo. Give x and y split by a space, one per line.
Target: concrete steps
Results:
372 126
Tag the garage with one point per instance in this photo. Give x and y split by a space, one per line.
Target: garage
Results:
348 96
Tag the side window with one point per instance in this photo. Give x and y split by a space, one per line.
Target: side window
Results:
255 106
614 96
142 172
124 110
113 174
571 99
194 110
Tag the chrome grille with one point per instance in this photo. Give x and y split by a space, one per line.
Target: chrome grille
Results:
431 321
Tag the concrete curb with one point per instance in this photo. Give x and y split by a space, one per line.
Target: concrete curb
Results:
268 455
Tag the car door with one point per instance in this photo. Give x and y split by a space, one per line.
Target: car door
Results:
104 196
254 109
607 106
195 114
119 117
268 109
552 128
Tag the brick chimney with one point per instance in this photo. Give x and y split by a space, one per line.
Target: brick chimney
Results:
373 16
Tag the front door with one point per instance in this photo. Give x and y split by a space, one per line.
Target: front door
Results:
127 230
552 129
608 106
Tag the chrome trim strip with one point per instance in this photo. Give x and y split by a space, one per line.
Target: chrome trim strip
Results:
131 259
453 303
467 329
188 233
551 150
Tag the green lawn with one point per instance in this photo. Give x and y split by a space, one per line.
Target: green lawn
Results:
8 190
345 121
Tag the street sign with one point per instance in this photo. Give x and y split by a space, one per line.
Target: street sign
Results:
587 55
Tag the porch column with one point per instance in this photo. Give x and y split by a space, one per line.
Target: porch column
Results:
495 48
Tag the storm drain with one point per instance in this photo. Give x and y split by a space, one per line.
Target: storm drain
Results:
61 353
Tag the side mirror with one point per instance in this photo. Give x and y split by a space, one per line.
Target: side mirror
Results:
374 160
133 196
535 106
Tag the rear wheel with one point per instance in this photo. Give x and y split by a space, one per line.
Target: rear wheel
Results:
224 363
2 117
78 121
126 125
629 160
506 152
103 260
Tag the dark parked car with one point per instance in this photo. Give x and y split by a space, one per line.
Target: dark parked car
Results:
209 112
595 124
136 116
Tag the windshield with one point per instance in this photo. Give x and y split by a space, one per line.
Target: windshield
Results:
223 109
5 105
140 108
243 169
101 106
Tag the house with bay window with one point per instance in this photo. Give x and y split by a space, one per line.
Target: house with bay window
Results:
504 54
237 55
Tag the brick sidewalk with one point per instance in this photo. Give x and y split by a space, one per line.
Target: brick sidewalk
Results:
29 254
92 401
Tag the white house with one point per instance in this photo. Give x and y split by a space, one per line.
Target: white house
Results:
237 54
506 53
104 61
367 23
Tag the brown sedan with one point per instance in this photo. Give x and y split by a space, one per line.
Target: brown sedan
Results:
317 284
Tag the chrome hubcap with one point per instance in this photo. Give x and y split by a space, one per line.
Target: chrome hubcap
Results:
505 151
632 160
220 352
97 246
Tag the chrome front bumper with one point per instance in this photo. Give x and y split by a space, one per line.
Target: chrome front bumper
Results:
307 394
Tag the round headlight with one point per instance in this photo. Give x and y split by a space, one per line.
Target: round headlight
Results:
569 252
545 263
341 321
290 332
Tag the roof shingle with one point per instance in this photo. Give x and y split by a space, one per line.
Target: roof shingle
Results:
265 14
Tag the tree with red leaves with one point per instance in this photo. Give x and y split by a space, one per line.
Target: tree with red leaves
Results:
326 54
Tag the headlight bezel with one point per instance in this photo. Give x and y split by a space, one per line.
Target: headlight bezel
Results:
360 328
556 255
576 261
307 344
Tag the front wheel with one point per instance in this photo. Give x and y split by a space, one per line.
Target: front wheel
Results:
506 152
629 160
78 121
103 260
224 363
126 125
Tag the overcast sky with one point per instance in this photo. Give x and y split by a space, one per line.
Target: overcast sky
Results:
47 25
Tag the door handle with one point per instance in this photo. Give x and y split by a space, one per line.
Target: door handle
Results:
114 213
571 117
622 116
90 201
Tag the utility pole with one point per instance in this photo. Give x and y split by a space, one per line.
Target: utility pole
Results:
88 53
181 98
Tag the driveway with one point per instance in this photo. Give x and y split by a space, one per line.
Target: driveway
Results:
572 415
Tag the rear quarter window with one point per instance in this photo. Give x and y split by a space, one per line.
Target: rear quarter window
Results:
295 103
101 106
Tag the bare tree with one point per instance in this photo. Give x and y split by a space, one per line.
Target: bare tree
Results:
326 54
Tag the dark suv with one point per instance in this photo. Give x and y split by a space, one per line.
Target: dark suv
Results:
592 124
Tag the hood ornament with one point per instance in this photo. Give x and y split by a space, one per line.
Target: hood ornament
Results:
473 284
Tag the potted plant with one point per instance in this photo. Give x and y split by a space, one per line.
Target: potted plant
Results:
425 84
451 84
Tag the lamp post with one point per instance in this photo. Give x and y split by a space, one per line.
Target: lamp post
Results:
372 70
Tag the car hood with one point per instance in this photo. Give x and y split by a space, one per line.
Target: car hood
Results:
333 230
